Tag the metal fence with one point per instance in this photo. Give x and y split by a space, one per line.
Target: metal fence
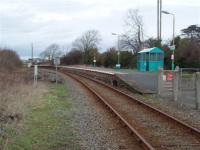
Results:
183 88
187 79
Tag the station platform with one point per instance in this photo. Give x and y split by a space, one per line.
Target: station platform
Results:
145 83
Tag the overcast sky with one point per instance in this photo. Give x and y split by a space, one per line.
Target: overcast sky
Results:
43 22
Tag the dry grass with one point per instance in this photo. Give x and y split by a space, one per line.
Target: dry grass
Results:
34 118
15 87
17 95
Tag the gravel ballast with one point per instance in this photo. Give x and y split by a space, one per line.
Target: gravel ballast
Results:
96 127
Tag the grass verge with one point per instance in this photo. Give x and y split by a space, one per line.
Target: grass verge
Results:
47 124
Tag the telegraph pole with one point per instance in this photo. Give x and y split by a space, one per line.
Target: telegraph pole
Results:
32 52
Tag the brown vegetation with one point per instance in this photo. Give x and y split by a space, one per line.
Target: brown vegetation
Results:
17 96
13 88
10 82
9 60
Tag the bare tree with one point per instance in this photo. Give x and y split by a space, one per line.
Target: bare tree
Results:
88 41
151 42
51 52
66 48
133 37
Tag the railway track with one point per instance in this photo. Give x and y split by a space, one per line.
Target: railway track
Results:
152 128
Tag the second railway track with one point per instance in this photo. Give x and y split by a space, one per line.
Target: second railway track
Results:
155 130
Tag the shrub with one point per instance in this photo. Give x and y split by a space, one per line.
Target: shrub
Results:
9 60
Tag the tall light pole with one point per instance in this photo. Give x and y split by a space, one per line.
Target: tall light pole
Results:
94 59
173 41
118 53
159 20
32 53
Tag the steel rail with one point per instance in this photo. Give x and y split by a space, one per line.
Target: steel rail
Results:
142 140
190 128
182 124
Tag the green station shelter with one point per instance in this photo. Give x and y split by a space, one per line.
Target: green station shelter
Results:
150 59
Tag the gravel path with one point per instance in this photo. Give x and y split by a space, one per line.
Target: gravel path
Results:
96 128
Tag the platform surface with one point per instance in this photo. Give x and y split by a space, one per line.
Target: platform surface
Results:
144 82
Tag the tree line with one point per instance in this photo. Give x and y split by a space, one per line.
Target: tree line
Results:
85 49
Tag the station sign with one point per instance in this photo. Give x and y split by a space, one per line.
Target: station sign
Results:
56 61
172 48
169 77
118 66
172 57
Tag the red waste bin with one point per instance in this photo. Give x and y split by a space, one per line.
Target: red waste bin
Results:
169 77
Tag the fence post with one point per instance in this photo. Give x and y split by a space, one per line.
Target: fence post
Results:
175 84
197 90
160 81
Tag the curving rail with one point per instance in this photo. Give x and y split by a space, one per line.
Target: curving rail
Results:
142 140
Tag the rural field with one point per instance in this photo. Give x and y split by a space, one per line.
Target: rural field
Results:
34 117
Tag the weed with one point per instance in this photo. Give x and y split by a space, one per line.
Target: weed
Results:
47 125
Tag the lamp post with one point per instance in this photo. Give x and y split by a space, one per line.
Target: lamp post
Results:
94 60
118 53
173 41
159 20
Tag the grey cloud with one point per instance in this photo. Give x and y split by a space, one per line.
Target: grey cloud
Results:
48 21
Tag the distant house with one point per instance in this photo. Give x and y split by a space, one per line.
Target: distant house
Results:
150 59
35 60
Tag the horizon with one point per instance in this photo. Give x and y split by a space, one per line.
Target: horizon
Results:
62 22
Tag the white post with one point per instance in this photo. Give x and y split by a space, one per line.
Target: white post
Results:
35 74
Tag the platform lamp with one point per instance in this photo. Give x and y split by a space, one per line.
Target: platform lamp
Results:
173 46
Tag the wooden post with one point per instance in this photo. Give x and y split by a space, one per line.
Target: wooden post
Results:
197 90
